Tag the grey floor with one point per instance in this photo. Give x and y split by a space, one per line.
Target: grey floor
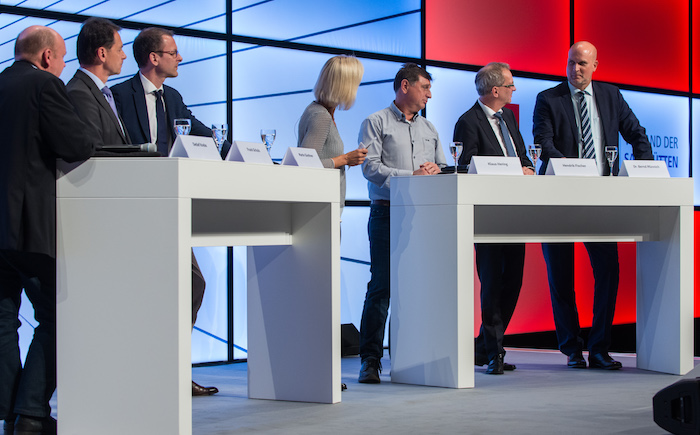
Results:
542 396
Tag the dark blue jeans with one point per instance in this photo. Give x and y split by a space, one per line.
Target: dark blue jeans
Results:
27 390
376 306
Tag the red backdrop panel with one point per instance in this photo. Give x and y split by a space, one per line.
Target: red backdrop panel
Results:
696 45
534 310
530 36
640 42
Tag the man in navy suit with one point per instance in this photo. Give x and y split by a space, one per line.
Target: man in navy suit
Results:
490 129
39 125
578 118
148 108
101 54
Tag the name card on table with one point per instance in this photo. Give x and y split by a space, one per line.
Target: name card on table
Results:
494 165
572 167
644 168
195 147
248 152
297 156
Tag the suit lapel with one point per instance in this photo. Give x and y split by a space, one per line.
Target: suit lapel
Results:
487 130
568 108
139 97
102 101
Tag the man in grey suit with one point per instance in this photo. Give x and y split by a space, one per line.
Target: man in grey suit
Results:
101 54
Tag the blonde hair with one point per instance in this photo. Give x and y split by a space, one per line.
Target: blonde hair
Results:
338 81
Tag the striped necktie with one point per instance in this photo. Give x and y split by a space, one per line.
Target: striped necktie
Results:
588 149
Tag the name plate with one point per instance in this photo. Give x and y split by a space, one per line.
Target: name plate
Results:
248 152
572 167
195 147
296 156
644 168
494 165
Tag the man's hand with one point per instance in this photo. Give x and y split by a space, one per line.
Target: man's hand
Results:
528 171
427 168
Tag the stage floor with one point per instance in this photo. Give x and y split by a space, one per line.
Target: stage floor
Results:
542 396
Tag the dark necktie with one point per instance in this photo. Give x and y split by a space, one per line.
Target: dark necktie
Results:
506 136
588 149
162 124
110 99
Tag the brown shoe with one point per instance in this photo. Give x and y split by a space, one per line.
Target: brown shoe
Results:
198 390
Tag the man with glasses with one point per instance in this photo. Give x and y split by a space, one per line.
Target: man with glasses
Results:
399 141
148 109
490 129
578 118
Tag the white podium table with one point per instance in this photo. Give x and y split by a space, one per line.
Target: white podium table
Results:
125 231
435 221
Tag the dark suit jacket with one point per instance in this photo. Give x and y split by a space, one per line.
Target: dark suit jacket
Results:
93 108
474 131
131 104
554 123
39 125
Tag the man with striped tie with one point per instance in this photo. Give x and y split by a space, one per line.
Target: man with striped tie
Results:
577 119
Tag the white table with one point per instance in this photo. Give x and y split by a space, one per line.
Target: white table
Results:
435 221
125 231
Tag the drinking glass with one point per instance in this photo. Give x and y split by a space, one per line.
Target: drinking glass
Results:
182 126
268 137
218 132
456 151
611 155
534 151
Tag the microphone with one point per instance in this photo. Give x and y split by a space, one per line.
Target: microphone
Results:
148 147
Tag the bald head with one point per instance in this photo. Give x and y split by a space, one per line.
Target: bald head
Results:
582 62
43 47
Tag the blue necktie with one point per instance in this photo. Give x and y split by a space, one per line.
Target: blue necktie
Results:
506 136
110 99
588 149
162 127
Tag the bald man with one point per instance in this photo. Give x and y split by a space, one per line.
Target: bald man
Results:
38 125
578 118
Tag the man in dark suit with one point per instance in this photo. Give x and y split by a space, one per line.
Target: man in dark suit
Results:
38 125
578 118
157 56
490 129
148 108
101 54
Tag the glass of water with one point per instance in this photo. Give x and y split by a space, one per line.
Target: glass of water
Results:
611 155
218 132
456 151
182 126
268 137
534 151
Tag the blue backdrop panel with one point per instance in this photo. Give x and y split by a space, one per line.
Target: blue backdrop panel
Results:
329 23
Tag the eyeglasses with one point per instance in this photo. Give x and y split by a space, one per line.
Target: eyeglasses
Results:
173 53
506 86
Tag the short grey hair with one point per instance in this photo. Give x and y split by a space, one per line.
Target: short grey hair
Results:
489 76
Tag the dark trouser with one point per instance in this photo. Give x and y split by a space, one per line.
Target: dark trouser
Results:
198 285
606 272
27 390
500 269
376 305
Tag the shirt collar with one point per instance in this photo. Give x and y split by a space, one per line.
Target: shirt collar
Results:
487 110
575 90
99 83
148 87
400 115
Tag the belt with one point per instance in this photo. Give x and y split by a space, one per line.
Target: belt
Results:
383 202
